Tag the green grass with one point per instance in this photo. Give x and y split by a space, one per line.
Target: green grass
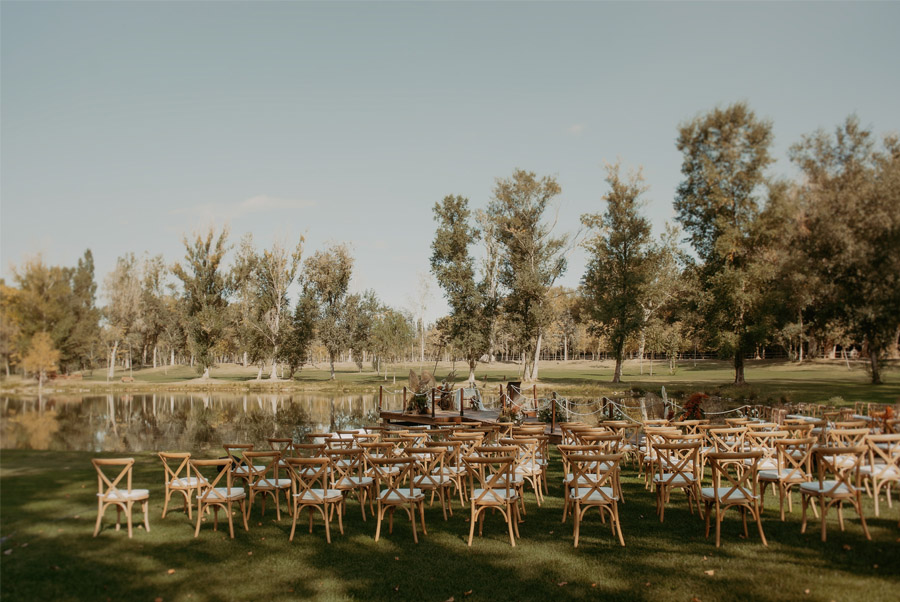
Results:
769 381
48 511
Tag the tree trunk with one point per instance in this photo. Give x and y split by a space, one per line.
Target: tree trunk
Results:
739 367
155 349
800 350
641 351
617 373
873 359
537 357
565 348
259 372
206 373
274 374
111 371
472 363
331 363
245 359
172 357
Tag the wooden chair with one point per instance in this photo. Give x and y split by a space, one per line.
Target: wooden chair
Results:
527 465
842 464
453 467
741 490
239 467
218 497
496 490
178 480
347 476
679 468
310 491
429 474
794 459
390 474
110 493
283 445
883 468
265 481
592 487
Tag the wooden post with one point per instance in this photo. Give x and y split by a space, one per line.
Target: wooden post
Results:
502 398
432 402
462 404
534 395
552 412
404 400
380 397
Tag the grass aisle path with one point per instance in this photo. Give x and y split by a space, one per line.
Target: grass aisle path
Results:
48 511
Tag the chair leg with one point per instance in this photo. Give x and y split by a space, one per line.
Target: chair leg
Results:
100 510
576 515
509 524
230 521
473 517
146 507
718 527
380 516
199 517
412 518
762 535
823 517
862 518
128 517
618 523
294 523
804 502
327 518
422 515
166 503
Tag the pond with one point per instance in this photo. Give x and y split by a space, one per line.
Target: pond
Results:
128 423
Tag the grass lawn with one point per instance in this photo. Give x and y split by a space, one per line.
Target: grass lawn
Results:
48 512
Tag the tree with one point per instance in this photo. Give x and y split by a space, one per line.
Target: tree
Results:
531 257
452 264
850 233
123 311
327 278
153 305
301 333
726 152
205 294
41 357
393 335
275 272
621 264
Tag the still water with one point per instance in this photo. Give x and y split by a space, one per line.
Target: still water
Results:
176 422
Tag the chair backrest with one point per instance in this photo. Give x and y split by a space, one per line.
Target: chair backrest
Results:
610 442
837 437
592 474
884 455
764 441
841 464
179 458
740 484
268 475
794 458
391 480
494 476
345 465
451 449
728 440
689 426
734 422
236 452
799 430
208 493
761 426
281 444
309 478
567 450
309 450
678 462
429 462
110 489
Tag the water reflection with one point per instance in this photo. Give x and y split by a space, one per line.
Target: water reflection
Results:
165 421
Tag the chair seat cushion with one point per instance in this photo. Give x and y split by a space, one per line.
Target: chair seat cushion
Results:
431 481
826 488
404 495
762 463
778 475
494 496
272 484
709 493
125 495
593 495
676 479
318 495
882 471
355 482
223 494
451 470
186 482
242 470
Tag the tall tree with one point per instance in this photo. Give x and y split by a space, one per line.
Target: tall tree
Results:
326 277
452 264
532 258
726 152
622 261
123 310
153 305
274 274
206 289
41 357
850 231
393 335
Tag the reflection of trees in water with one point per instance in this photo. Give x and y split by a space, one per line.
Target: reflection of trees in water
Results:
157 422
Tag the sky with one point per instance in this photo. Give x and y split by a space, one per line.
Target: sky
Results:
126 126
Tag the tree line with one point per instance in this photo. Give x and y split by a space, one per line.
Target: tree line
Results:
809 265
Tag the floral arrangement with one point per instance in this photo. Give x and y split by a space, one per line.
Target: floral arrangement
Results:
511 414
692 410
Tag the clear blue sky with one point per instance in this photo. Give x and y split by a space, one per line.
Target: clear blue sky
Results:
126 125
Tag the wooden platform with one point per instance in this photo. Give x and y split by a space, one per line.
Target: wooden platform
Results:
448 417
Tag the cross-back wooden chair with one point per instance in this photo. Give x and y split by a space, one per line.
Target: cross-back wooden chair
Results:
212 496
310 491
308 450
283 445
179 480
689 427
496 489
240 469
348 476
678 464
265 481
735 422
652 436
630 433
593 487
794 461
800 430
764 441
430 475
527 464
111 491
392 494
732 488
883 468
838 481
453 467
